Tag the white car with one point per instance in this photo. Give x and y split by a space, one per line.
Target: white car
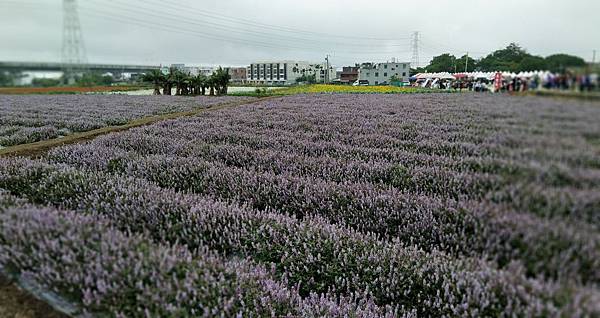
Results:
361 83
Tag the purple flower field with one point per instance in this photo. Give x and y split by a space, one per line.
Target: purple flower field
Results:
321 206
31 118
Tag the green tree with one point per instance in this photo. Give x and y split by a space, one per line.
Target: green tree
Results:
560 62
532 63
45 82
221 81
167 83
181 80
4 79
211 83
10 78
507 59
310 79
415 71
93 79
461 64
199 84
156 77
442 63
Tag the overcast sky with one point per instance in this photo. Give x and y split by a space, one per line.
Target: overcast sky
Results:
237 32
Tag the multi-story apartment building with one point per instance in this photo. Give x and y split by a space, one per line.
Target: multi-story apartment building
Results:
287 72
381 73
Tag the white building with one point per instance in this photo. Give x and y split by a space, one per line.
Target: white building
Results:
381 73
287 72
192 70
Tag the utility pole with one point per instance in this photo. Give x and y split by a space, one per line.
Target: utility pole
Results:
327 69
467 63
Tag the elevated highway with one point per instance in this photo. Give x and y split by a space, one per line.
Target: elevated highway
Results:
53 66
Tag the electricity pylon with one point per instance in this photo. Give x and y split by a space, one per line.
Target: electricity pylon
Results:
73 50
415 50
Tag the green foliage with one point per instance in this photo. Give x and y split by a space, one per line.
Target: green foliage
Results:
449 63
560 62
9 78
154 77
45 82
310 79
532 63
461 63
442 63
93 79
507 59
220 79
513 58
395 78
415 71
261 91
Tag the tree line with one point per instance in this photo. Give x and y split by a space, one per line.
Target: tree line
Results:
187 84
513 58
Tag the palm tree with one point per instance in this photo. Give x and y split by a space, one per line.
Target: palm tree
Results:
186 84
211 84
221 78
168 82
199 84
181 80
155 77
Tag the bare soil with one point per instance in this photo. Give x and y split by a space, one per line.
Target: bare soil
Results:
16 303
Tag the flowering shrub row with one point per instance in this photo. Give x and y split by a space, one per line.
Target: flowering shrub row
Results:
31 118
429 221
104 271
440 205
310 253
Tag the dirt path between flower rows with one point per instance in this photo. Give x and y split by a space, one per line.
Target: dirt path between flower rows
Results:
16 303
39 148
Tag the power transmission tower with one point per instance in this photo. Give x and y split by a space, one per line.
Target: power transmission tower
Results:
415 49
73 53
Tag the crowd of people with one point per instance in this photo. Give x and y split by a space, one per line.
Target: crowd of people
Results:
509 82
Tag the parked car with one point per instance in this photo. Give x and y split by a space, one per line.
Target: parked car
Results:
361 83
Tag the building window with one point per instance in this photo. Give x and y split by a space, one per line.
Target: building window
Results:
384 74
403 65
376 75
376 83
385 66
403 73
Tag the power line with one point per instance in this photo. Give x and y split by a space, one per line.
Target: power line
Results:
238 21
219 16
223 27
173 29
